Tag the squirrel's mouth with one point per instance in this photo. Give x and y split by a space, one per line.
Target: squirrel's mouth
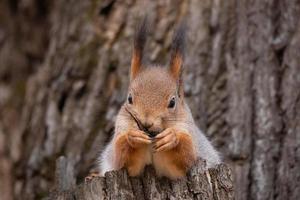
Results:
150 133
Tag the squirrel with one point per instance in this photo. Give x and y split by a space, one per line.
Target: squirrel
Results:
155 125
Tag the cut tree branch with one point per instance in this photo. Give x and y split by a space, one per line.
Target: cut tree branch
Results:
215 183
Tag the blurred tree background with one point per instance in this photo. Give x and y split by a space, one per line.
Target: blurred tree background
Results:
64 74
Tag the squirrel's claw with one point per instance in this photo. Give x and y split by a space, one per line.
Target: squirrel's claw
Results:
166 140
92 176
136 138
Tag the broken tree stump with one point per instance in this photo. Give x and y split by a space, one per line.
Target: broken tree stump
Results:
215 183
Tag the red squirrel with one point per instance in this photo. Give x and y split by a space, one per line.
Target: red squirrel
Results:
155 125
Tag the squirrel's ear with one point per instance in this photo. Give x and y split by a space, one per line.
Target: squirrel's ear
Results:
138 48
177 52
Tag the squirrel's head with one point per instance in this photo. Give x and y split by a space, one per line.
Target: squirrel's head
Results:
155 93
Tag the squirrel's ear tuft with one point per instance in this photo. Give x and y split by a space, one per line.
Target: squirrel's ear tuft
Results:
138 48
177 51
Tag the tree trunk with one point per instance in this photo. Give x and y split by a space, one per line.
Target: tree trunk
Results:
64 75
214 183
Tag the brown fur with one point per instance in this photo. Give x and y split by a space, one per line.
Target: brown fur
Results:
152 89
176 64
138 48
153 86
135 64
121 151
132 156
172 163
137 160
175 162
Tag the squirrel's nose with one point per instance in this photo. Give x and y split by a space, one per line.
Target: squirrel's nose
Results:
147 125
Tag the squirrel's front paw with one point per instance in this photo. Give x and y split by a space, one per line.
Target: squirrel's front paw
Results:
137 138
166 140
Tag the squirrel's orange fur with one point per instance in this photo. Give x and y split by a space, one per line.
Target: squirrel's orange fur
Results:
175 162
134 158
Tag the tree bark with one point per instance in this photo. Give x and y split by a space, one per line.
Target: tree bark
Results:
64 75
216 183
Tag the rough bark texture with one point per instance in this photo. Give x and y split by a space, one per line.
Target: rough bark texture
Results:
201 184
64 74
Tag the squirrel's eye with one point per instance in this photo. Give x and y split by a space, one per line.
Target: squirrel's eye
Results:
172 103
129 99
